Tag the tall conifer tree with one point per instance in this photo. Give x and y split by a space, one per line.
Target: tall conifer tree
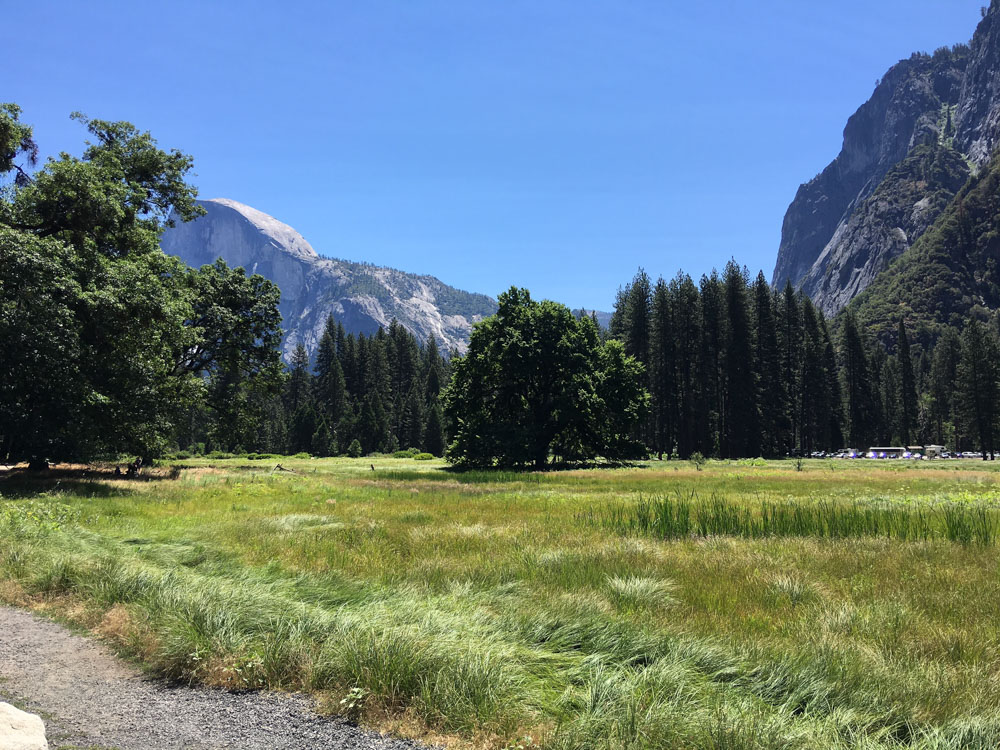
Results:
907 386
742 421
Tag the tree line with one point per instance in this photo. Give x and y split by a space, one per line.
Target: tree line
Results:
737 369
359 395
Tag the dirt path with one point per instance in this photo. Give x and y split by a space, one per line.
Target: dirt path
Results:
90 698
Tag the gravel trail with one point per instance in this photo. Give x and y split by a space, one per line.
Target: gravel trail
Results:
90 698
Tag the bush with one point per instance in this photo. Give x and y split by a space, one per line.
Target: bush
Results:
354 449
181 455
219 455
698 460
424 456
303 454
262 456
408 453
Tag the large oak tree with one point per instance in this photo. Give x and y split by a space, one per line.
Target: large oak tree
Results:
537 380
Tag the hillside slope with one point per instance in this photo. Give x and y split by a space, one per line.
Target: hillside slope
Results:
361 296
952 272
883 227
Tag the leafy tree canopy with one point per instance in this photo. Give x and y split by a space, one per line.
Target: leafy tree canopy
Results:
536 379
107 340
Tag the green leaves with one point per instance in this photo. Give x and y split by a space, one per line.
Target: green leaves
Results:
536 379
106 338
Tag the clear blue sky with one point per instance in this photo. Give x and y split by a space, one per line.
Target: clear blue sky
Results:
552 144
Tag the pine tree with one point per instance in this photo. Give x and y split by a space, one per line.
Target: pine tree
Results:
790 345
433 368
978 391
713 312
859 385
413 419
323 443
662 370
943 379
404 367
834 436
377 378
766 366
814 401
742 421
637 317
331 393
299 402
890 390
434 440
303 427
348 354
618 326
299 387
688 346
369 430
907 388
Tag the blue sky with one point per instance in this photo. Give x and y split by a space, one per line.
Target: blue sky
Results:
556 144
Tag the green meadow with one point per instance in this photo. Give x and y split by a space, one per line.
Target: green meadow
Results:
750 604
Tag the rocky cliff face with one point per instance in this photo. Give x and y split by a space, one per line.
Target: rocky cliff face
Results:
882 227
978 112
361 296
872 203
910 107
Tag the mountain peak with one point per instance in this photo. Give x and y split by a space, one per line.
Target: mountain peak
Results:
361 296
288 239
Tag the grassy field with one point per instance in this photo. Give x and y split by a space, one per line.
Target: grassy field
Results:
749 605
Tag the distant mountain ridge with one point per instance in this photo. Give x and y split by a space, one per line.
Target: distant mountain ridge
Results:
361 296
932 122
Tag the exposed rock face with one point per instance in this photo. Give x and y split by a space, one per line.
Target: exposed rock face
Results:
361 296
905 204
20 730
909 108
978 112
846 225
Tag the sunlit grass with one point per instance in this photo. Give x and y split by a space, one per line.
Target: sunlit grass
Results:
493 606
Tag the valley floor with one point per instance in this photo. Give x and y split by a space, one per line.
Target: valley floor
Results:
843 605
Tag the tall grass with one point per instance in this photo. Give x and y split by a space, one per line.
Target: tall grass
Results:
787 614
666 517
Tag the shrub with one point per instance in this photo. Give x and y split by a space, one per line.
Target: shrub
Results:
219 455
354 449
303 454
181 455
423 456
408 453
698 460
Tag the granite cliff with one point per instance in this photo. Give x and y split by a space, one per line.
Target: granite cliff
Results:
361 296
932 122
822 251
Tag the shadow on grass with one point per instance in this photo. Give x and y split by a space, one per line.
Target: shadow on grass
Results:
83 481
550 468
467 475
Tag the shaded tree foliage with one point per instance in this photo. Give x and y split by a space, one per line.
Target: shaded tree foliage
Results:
536 379
135 338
